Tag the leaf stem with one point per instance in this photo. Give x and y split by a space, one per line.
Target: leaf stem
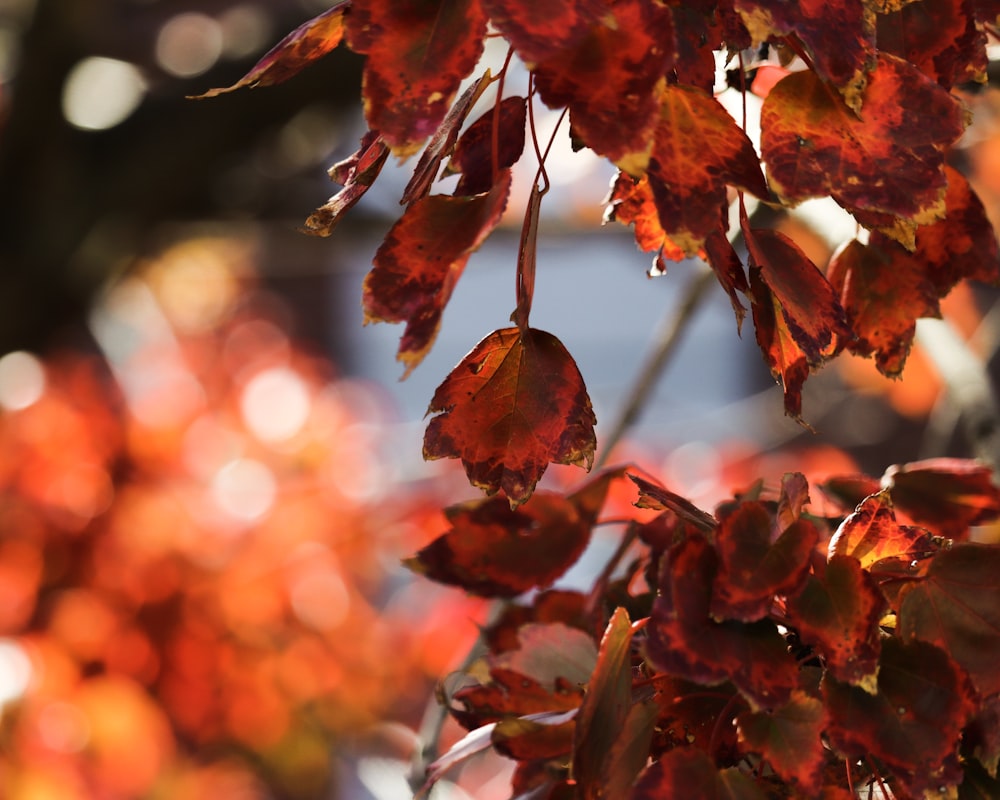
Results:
495 143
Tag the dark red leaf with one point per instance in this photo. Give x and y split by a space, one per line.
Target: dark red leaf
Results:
729 270
418 53
538 30
789 738
612 731
699 32
443 142
838 613
473 156
914 722
357 173
693 717
938 36
690 773
957 607
515 403
945 494
793 499
307 43
685 641
631 203
697 150
755 565
848 491
421 259
657 497
553 605
842 53
884 161
981 737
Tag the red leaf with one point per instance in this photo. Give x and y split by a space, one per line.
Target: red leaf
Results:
608 77
752 567
443 142
914 722
307 43
842 53
938 36
871 534
515 403
631 203
885 288
553 605
473 156
789 738
418 53
798 320
612 732
888 160
659 498
838 614
357 173
946 494
697 150
538 30
422 258
494 551
685 641
957 607
729 270
690 773
793 499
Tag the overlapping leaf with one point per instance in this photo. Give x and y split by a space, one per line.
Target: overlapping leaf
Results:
789 738
690 773
837 613
357 173
474 153
888 160
913 724
539 30
514 404
871 534
697 150
630 202
308 42
798 320
421 259
957 607
418 53
940 37
685 641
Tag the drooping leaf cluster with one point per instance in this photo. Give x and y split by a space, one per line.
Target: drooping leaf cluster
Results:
757 651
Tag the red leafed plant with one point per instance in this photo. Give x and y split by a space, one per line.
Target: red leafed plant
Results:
763 649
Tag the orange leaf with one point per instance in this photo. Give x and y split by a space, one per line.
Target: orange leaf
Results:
515 403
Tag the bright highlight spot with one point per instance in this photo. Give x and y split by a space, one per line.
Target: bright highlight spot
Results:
244 489
22 380
101 92
189 45
15 671
275 404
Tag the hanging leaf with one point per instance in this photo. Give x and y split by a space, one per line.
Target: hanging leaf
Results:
421 259
815 146
947 494
789 738
631 203
473 156
515 403
357 173
541 30
657 497
307 43
957 607
418 53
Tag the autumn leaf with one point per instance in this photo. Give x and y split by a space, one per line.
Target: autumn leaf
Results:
551 605
940 37
729 270
913 723
798 320
814 145
690 773
956 606
789 738
540 30
418 53
515 403
837 613
421 259
307 43
946 494
871 534
357 173
630 202
697 150
843 61
473 156
657 497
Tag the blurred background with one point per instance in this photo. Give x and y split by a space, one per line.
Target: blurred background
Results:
208 470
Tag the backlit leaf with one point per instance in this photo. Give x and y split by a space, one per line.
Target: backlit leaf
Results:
690 773
631 203
307 43
418 53
539 29
887 160
357 173
914 722
789 738
838 613
514 404
657 497
697 150
421 259
729 270
473 156
957 607
872 534
685 641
